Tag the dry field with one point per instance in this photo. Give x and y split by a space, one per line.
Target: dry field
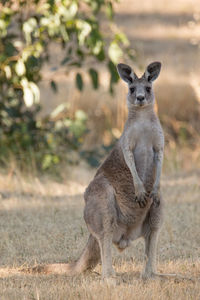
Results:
41 222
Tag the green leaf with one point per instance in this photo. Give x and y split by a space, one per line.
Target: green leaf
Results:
54 86
121 37
35 90
79 81
49 160
64 33
51 2
8 72
113 72
20 68
28 27
84 28
10 50
101 56
72 10
98 47
109 10
114 77
3 27
65 60
28 96
115 52
94 77
67 10
59 109
31 92
80 115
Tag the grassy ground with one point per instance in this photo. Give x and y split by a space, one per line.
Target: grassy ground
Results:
41 221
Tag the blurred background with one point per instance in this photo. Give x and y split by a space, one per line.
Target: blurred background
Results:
61 101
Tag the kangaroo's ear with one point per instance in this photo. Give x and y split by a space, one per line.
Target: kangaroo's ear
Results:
152 71
126 73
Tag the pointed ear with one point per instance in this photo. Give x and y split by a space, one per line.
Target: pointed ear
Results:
126 73
152 71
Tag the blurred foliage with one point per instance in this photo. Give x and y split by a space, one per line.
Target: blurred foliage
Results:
46 144
26 30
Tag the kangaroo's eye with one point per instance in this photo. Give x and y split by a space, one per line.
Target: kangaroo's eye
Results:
132 90
148 89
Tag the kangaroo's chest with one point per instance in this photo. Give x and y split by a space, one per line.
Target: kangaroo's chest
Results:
142 133
144 136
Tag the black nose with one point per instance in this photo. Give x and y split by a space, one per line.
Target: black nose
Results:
140 98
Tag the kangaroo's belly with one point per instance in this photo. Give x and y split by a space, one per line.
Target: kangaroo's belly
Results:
118 174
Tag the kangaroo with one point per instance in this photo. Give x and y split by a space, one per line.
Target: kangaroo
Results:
123 202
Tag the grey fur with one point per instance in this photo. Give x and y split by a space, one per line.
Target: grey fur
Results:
123 202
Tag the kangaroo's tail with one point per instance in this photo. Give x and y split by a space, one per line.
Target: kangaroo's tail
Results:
88 260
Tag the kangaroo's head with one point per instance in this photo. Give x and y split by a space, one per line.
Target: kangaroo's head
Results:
140 93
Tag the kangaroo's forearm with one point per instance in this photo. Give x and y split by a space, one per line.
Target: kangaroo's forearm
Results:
158 168
130 161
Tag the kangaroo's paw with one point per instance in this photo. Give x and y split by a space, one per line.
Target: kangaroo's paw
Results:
155 196
141 199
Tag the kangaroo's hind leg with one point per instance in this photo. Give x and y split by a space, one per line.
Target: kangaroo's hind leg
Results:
105 243
100 216
150 252
151 229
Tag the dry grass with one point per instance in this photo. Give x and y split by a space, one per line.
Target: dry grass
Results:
41 221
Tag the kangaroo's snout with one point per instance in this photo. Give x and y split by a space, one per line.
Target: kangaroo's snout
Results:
140 98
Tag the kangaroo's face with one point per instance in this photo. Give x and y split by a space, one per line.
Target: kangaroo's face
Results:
140 91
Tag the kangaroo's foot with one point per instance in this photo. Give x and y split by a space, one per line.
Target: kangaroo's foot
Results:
111 281
155 275
109 278
108 273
